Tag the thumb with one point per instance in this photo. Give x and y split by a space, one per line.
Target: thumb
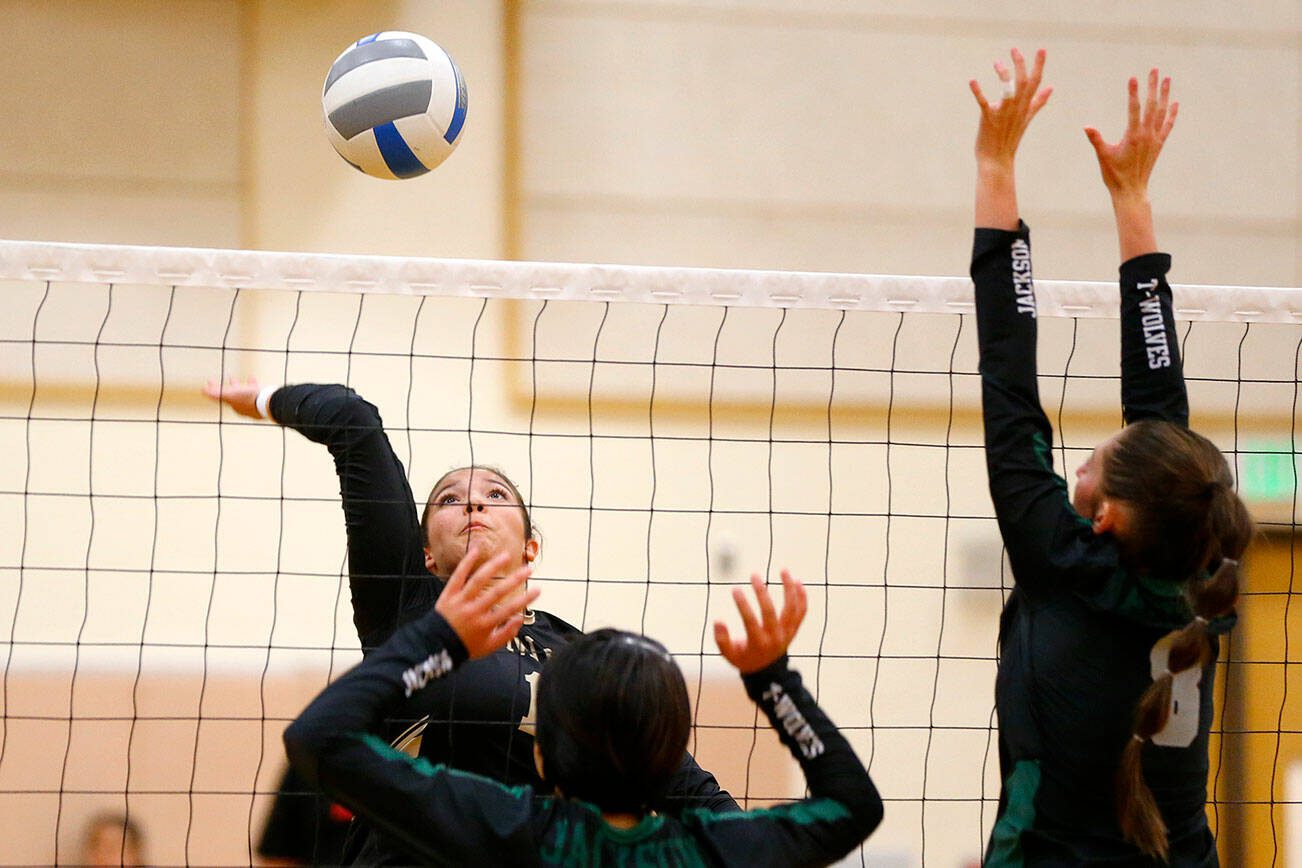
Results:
1095 138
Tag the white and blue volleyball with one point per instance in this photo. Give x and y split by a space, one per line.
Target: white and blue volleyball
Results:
394 104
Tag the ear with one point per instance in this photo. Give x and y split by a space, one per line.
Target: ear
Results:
1112 516
429 562
530 550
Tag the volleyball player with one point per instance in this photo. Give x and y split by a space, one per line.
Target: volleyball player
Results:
481 720
1109 639
613 721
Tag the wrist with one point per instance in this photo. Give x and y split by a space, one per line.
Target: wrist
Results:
995 168
1130 198
263 401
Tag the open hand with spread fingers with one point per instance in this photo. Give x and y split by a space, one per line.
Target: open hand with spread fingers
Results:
1127 165
1004 122
768 635
483 604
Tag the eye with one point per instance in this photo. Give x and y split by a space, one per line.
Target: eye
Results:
498 493
447 499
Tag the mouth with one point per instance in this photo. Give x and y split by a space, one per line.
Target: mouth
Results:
474 525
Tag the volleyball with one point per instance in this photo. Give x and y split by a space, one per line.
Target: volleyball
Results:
394 104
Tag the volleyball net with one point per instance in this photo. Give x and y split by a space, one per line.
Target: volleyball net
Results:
173 577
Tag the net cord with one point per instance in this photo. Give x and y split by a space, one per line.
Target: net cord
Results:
471 278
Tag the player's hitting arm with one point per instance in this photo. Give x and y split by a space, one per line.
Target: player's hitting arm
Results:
429 808
384 539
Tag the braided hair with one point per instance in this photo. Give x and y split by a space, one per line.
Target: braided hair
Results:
1186 521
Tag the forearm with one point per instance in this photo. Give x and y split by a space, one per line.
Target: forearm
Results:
1152 375
1134 217
356 703
1005 307
996 195
832 770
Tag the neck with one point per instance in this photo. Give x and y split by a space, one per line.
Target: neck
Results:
621 821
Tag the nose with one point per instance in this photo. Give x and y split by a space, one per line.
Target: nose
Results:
471 506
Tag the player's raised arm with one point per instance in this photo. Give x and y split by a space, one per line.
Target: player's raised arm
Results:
433 813
844 806
1152 379
999 133
1127 165
481 609
386 570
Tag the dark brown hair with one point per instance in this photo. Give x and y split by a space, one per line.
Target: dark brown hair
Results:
613 720
1185 519
529 531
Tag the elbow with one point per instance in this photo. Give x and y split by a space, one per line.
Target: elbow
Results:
337 416
870 814
865 805
349 411
302 749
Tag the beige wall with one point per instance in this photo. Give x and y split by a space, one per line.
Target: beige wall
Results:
826 134
835 135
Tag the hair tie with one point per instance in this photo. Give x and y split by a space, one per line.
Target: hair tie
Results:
1201 621
1139 738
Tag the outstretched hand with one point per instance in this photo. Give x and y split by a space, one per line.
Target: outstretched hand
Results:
240 395
767 636
484 606
1127 165
1004 122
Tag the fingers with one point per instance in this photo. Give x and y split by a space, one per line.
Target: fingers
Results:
217 388
748 619
1019 68
770 627
768 613
794 605
1132 122
474 568
1161 103
492 590
1041 97
1037 72
1170 121
727 647
980 97
1150 96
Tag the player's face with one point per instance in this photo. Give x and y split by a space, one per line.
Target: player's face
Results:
1089 480
474 505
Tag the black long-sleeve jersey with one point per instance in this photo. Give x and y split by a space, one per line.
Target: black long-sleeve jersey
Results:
1077 634
438 815
480 720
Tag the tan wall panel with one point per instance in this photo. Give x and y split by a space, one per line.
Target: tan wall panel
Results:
123 123
304 197
808 136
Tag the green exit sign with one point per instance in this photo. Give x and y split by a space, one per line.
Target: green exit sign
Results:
1268 471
